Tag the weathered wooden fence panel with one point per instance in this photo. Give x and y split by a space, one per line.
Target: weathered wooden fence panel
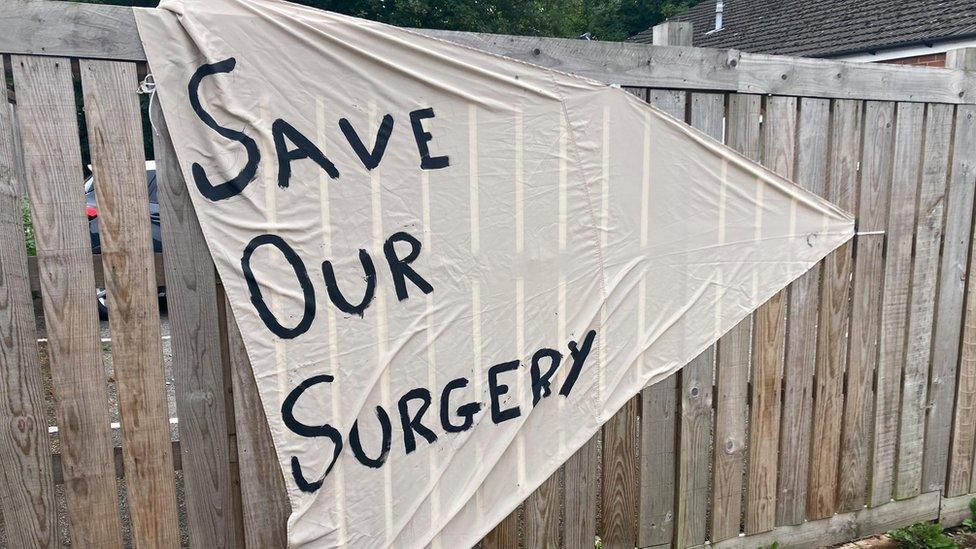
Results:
854 387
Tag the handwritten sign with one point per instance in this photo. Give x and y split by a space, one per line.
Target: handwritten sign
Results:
450 268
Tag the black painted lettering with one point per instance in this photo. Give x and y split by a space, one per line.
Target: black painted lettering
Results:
301 273
540 381
465 411
233 186
413 424
423 137
335 294
304 148
370 159
579 355
386 440
304 430
400 269
497 389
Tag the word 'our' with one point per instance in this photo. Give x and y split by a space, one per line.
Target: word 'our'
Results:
400 271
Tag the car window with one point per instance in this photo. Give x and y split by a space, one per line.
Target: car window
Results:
151 182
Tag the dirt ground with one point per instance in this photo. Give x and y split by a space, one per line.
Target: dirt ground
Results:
963 540
112 391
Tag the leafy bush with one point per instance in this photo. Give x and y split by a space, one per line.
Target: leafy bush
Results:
970 523
922 535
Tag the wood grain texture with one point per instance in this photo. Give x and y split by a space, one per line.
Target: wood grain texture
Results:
963 445
119 168
619 500
35 275
768 343
694 449
26 479
951 298
263 498
580 496
842 527
834 316
801 342
191 298
899 240
542 514
659 403
505 534
49 132
107 32
928 242
732 362
858 426
696 388
925 269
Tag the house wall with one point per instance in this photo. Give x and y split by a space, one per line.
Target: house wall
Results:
929 60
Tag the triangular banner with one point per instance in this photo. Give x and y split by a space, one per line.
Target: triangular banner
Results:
449 267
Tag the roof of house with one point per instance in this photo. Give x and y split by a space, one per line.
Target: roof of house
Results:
824 28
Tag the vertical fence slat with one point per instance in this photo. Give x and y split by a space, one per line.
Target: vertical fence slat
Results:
928 235
768 343
801 339
191 296
542 514
832 329
29 510
619 501
580 496
949 306
49 132
961 455
732 377
856 443
263 499
119 167
928 242
903 189
658 412
696 382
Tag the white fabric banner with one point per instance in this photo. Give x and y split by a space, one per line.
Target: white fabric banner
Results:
450 267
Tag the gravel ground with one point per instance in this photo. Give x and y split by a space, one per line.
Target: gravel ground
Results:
113 410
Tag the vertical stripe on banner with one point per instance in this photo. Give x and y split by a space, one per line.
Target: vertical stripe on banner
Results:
333 344
604 234
382 326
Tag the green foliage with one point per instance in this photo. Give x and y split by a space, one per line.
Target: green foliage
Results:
610 20
29 230
922 535
970 523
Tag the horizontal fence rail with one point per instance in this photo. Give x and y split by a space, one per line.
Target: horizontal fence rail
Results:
845 406
42 27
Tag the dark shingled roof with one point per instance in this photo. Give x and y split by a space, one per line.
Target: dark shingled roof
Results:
824 28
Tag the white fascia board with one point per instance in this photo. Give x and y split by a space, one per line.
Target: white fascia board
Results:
908 51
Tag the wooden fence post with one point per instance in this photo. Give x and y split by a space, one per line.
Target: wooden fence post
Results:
951 298
673 33
961 58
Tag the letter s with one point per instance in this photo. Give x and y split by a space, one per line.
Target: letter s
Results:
234 186
310 431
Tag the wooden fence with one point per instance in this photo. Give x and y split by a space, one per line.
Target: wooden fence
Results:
845 406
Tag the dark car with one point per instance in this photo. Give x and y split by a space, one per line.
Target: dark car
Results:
96 241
